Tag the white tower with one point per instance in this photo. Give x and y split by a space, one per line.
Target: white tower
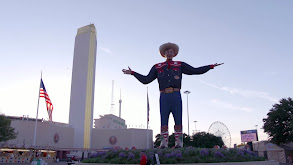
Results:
83 86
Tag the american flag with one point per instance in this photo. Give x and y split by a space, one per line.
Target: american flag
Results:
43 93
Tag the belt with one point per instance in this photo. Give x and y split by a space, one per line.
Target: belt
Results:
170 90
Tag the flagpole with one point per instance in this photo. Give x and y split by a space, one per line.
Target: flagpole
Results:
36 123
148 118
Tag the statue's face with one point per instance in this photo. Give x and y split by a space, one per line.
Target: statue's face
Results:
169 54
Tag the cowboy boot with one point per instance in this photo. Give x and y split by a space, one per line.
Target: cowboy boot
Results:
164 137
178 136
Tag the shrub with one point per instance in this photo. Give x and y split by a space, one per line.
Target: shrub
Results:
218 154
204 152
172 156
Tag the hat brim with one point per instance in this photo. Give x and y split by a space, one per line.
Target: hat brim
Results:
169 46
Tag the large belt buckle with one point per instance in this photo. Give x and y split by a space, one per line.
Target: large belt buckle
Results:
169 90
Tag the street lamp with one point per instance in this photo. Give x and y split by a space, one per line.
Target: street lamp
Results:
195 126
187 92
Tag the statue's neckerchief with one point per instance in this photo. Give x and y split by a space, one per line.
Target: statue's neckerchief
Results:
169 63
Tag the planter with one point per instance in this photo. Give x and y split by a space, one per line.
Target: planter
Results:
228 163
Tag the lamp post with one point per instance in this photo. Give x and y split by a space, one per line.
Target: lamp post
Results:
195 126
187 92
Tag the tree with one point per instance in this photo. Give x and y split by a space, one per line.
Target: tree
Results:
157 141
206 140
279 122
6 132
171 140
186 140
201 139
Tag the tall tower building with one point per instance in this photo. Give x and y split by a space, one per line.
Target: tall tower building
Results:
83 86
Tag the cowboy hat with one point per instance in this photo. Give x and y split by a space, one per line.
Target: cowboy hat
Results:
169 45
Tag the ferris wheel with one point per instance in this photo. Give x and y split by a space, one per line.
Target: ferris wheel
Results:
219 129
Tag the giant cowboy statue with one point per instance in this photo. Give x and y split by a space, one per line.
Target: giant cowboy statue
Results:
169 75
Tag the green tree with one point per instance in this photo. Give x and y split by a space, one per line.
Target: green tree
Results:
157 141
171 142
6 132
201 139
187 141
279 122
206 140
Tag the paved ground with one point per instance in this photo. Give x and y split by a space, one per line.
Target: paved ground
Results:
60 163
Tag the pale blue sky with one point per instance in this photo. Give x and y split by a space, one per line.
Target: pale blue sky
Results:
253 38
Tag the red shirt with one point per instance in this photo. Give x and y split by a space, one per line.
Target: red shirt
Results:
143 160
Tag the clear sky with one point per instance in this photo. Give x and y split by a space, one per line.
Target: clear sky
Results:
253 38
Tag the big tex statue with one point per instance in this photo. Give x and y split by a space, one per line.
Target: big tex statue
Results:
169 75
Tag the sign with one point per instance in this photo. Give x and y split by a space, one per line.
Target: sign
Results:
249 136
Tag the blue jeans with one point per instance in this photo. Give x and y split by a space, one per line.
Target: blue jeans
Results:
171 103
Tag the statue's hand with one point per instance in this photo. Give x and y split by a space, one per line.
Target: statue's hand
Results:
125 71
216 64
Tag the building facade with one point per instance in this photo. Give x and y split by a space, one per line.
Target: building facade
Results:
122 138
50 135
60 136
110 122
111 132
